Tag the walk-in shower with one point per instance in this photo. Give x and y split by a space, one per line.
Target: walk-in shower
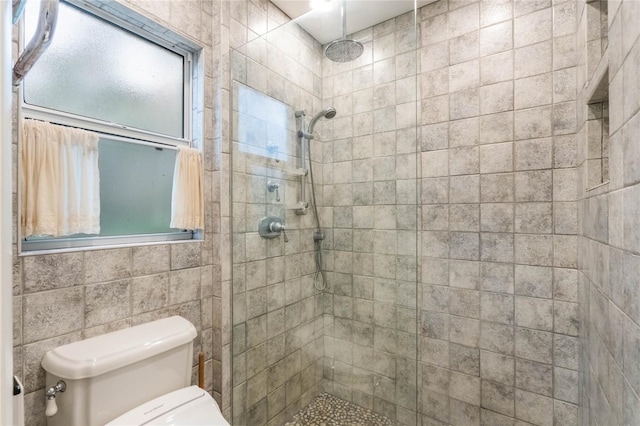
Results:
305 135
327 320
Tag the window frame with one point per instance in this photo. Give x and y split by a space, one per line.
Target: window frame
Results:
112 131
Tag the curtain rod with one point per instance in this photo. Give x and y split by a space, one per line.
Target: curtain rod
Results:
115 137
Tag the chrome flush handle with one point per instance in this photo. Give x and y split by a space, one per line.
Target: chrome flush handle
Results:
52 407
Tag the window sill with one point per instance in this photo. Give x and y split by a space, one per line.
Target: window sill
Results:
107 243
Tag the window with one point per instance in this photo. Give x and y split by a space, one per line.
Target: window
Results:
133 89
263 123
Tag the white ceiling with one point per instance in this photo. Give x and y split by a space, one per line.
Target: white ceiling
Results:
326 26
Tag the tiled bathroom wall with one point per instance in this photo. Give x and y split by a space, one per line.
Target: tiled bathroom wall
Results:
370 214
277 320
498 305
61 298
502 195
609 291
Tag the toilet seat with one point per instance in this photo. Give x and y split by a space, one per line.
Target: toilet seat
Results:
190 406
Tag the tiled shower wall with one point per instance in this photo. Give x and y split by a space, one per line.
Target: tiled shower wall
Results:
277 314
498 309
369 211
61 298
609 245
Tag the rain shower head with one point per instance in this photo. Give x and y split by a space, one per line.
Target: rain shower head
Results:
344 49
328 113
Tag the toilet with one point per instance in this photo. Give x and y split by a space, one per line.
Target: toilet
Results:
136 376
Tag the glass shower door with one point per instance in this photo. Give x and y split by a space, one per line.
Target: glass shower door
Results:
356 340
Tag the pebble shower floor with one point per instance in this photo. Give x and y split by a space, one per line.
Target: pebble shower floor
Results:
327 410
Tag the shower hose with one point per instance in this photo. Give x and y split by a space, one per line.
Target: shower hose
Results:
318 236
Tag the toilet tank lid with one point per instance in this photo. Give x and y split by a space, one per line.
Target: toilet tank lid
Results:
101 354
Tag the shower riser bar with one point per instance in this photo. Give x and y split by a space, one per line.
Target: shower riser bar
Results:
302 206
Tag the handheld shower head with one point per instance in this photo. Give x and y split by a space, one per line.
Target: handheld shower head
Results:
328 113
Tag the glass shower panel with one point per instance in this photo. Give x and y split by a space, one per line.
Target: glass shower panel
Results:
371 305
357 339
277 314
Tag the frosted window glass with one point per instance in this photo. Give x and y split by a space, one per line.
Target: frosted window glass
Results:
135 199
96 69
262 121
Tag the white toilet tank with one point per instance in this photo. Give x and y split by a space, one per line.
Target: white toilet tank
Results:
111 374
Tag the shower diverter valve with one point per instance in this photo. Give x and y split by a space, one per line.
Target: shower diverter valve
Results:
271 227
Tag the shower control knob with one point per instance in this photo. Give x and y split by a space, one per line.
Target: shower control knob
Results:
278 227
271 227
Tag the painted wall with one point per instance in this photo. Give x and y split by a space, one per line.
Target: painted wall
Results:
6 296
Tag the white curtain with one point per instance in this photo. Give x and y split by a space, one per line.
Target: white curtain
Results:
60 181
187 203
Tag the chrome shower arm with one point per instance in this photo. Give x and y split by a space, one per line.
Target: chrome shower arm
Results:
40 41
343 15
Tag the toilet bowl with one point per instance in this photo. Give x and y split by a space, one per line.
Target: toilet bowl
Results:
136 376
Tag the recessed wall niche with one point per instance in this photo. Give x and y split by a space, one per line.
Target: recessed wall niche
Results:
597 91
597 143
597 33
